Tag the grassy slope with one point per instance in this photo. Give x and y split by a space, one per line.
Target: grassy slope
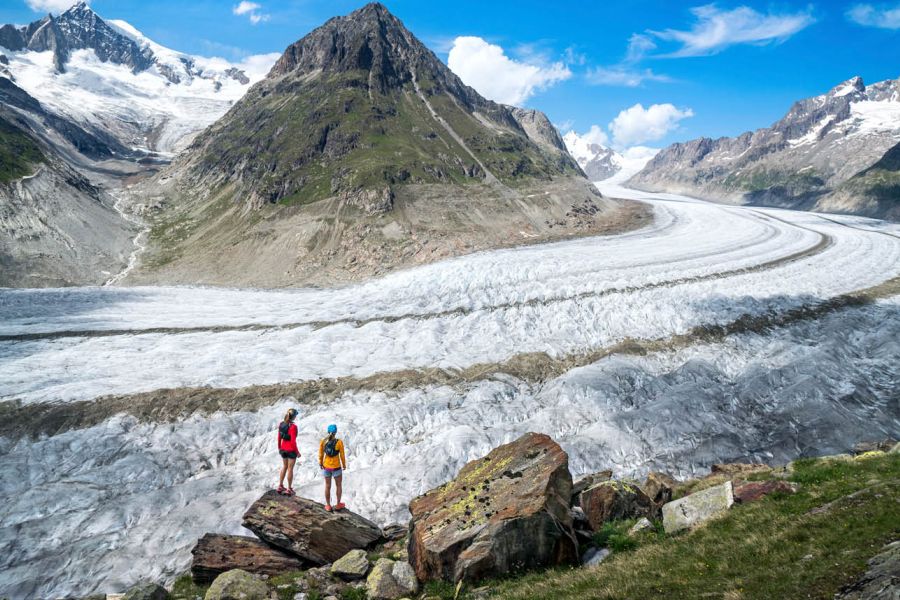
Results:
775 548
18 152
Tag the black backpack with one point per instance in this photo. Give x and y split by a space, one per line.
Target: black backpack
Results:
284 430
331 447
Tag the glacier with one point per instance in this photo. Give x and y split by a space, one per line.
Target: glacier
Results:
127 498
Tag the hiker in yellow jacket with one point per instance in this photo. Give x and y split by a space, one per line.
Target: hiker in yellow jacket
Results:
332 461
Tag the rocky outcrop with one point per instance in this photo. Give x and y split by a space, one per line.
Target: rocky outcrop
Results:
146 591
306 529
504 512
237 585
215 554
881 581
614 500
697 508
589 481
390 580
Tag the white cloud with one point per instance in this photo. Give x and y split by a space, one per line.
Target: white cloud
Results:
870 16
717 29
494 75
637 124
623 76
252 10
54 6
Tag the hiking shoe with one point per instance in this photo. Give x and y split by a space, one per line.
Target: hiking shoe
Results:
328 507
291 492
340 506
281 489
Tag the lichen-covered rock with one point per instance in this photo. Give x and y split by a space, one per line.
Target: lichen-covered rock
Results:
643 524
587 481
303 527
237 585
613 500
390 580
697 508
881 581
215 554
146 591
353 565
751 491
504 512
882 445
659 487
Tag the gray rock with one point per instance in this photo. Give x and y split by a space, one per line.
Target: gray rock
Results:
390 580
697 508
146 591
353 565
881 581
643 524
237 585
594 556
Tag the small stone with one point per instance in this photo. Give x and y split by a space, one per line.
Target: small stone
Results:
643 524
351 566
390 580
237 585
594 556
613 500
146 591
697 508
300 596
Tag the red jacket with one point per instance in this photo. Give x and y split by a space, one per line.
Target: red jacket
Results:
291 444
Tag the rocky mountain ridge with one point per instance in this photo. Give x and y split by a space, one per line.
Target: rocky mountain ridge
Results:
360 152
801 161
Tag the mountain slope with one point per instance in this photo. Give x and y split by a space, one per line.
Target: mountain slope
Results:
358 153
820 144
874 191
56 227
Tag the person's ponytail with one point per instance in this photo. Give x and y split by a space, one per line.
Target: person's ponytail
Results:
289 415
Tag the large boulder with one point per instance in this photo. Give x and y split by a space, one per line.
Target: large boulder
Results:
237 585
390 580
697 508
659 487
305 528
214 554
613 500
504 512
146 591
589 481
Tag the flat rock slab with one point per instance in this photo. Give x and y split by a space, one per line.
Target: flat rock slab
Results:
215 554
751 491
505 512
306 529
697 508
881 581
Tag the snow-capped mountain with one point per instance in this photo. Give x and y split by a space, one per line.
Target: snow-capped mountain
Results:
600 162
800 161
109 75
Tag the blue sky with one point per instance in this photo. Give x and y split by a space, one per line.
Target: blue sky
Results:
723 68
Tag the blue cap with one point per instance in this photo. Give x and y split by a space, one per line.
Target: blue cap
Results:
332 428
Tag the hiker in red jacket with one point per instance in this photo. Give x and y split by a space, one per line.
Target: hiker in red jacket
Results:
287 447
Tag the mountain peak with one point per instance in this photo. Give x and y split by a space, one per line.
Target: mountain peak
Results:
79 8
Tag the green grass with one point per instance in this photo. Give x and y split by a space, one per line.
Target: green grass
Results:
774 548
18 152
184 588
762 179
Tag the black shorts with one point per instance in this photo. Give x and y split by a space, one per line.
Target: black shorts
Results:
287 454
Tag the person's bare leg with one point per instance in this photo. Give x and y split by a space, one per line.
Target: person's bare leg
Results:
290 472
328 490
337 487
284 465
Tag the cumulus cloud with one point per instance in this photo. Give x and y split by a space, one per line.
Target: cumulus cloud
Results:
494 75
54 6
636 125
252 10
718 29
871 16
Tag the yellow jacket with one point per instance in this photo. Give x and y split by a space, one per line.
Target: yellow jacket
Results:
332 462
